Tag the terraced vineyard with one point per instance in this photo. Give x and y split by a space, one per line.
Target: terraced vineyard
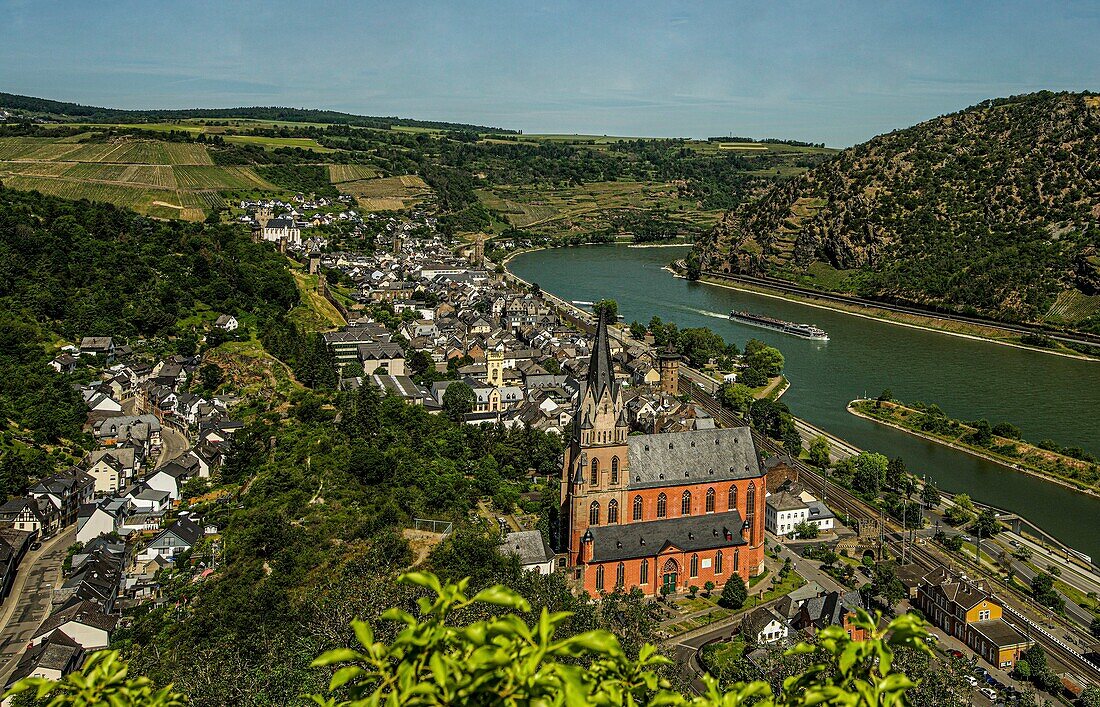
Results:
340 173
163 179
387 193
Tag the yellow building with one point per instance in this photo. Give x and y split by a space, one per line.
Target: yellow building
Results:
968 611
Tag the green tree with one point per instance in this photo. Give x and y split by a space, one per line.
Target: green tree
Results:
982 436
963 501
986 525
768 360
752 378
458 399
885 585
1094 627
735 396
734 593
609 308
1090 697
1022 669
806 530
868 472
500 660
1043 591
930 495
101 681
896 473
693 266
820 451
210 376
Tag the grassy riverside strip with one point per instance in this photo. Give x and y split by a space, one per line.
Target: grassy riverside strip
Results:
929 322
930 423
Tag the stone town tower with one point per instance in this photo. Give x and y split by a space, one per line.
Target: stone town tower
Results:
494 368
669 363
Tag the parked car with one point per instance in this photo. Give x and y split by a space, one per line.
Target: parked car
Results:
971 680
36 545
1013 543
989 692
954 653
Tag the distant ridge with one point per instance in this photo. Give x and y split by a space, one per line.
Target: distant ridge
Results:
75 112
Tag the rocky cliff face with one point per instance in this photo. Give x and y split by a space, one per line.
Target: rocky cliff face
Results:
992 210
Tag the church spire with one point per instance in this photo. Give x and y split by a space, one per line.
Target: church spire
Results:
601 373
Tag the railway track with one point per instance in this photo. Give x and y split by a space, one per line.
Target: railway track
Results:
840 498
1014 328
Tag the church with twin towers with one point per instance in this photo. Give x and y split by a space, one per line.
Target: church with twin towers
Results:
655 510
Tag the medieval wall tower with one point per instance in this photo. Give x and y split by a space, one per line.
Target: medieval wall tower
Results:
669 363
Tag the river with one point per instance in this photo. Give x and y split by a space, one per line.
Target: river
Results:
1046 396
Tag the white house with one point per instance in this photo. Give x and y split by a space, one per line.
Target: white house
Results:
784 510
85 623
765 625
171 478
227 322
146 499
112 469
101 518
176 538
52 659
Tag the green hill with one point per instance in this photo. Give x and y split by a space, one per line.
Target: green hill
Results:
992 211
74 112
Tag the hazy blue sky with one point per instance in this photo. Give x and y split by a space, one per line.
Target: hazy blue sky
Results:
837 72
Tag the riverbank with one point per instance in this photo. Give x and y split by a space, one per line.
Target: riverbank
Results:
927 322
1006 462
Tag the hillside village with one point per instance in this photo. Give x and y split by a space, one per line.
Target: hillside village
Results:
451 319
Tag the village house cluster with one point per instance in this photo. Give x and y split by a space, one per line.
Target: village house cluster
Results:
152 437
283 223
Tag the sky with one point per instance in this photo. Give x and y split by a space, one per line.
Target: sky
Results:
833 72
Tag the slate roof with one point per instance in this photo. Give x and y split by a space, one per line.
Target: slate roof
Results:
528 545
380 350
688 533
786 501
185 529
692 457
601 374
1000 633
55 653
759 619
86 612
829 610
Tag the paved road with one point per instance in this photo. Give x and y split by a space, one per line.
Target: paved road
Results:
29 602
172 444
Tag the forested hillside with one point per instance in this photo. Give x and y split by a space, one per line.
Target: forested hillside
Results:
63 110
70 269
992 210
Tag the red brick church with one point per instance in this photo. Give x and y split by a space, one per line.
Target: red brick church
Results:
657 510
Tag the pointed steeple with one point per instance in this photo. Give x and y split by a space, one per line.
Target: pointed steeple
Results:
601 373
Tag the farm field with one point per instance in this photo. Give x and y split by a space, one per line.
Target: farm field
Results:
270 143
590 207
122 151
340 173
162 179
1072 306
387 193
